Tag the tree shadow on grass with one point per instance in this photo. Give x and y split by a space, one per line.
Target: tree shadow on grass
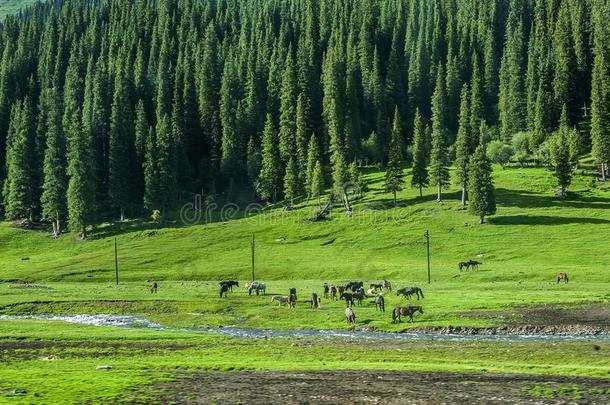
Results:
528 199
544 220
449 198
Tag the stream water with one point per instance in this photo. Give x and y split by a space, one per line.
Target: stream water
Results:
124 321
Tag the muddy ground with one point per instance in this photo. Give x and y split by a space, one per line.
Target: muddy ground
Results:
379 387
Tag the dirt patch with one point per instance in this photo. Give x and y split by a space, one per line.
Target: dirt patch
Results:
387 387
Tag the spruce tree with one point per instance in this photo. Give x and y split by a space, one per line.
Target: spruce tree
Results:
560 155
313 157
292 184
463 143
439 171
420 154
288 100
317 181
253 161
18 189
152 196
394 179
53 199
480 185
121 134
270 176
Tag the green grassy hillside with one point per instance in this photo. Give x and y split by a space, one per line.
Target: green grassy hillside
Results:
12 6
533 236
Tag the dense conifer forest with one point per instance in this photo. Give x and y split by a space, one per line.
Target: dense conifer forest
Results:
114 108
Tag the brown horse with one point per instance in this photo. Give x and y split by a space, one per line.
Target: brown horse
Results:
315 300
333 293
562 277
350 316
154 287
292 300
406 311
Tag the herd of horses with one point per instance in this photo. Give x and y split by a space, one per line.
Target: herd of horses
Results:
353 293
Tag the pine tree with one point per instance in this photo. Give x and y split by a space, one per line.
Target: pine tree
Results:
394 179
121 134
313 157
18 188
439 171
463 143
166 167
560 155
54 185
600 88
269 178
288 100
480 185
253 161
291 181
317 181
420 155
152 195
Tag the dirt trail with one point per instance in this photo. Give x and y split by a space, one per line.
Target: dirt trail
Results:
383 387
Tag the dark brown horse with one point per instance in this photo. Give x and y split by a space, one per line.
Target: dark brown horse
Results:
315 300
406 311
333 293
562 277
293 291
292 300
154 287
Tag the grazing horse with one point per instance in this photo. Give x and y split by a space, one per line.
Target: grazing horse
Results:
153 287
474 264
257 288
230 284
387 285
293 291
315 300
376 287
461 265
280 299
292 300
407 292
379 303
349 299
562 277
350 316
354 285
224 289
340 289
405 311
326 290
358 296
333 293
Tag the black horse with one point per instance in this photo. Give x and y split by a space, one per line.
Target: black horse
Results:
470 263
354 285
407 292
358 296
349 299
293 291
376 287
224 289
326 290
379 303
230 284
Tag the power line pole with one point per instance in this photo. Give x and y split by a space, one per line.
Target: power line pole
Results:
253 278
116 262
427 235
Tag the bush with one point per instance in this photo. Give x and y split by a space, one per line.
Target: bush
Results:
499 152
521 148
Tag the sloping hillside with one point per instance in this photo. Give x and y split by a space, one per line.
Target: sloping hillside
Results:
534 235
12 6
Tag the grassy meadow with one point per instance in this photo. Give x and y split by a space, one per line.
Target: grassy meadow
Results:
533 236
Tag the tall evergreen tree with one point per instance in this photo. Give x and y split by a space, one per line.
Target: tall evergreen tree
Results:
560 155
54 187
420 154
394 179
463 145
439 160
270 176
480 185
313 157
292 185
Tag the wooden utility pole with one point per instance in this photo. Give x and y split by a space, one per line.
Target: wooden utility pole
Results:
253 278
116 262
427 235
